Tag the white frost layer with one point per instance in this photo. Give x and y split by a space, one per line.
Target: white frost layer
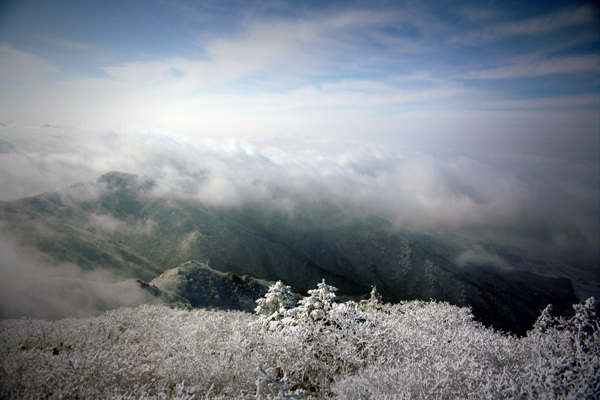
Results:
369 350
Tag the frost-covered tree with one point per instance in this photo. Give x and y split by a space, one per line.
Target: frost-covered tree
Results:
587 317
322 337
585 321
374 303
319 303
278 299
565 353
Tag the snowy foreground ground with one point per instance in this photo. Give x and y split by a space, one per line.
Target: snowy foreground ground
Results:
320 348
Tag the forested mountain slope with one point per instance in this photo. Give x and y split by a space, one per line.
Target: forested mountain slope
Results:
198 285
124 224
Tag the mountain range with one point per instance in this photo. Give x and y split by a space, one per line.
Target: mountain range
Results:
122 224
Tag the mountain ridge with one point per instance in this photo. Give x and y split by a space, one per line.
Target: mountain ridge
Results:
121 223
198 285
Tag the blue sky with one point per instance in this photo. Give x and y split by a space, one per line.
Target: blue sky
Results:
449 76
474 116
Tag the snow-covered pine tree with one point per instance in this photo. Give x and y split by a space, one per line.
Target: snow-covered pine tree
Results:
278 299
374 303
319 303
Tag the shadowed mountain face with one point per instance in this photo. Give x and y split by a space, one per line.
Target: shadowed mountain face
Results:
198 285
119 223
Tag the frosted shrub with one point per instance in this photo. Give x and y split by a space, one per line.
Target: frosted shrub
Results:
150 351
352 351
564 355
283 388
587 318
374 303
432 350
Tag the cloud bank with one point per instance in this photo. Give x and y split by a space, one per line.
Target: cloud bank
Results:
544 204
30 287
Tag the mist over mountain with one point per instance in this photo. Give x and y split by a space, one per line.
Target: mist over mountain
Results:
125 224
38 286
444 151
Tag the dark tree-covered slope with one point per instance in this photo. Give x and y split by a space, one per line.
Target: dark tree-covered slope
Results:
123 224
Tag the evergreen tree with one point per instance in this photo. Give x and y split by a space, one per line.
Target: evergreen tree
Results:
319 303
278 299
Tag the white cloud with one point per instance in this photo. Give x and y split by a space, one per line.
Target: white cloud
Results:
551 22
29 286
266 49
553 102
360 85
106 223
478 256
539 67
341 74
534 25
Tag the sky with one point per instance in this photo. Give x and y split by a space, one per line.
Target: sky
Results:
453 76
452 114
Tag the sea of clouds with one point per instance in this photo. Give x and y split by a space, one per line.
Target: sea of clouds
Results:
549 205
542 207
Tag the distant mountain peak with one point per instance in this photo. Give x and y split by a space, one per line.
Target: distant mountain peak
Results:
123 180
